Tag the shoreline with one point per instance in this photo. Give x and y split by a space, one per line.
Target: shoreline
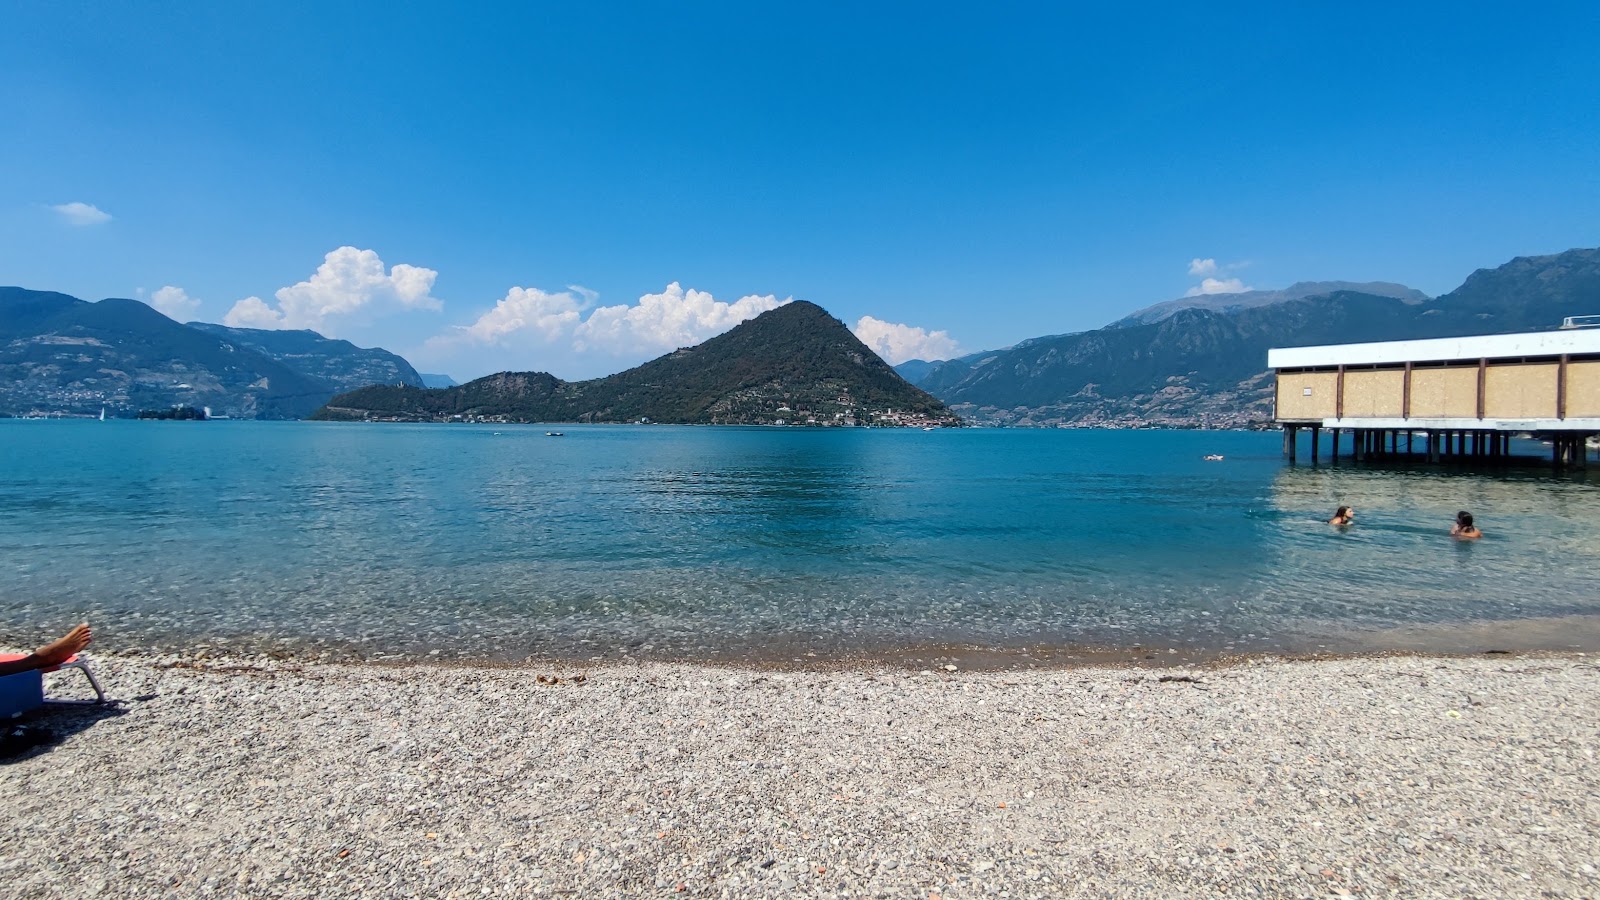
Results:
1554 635
1409 775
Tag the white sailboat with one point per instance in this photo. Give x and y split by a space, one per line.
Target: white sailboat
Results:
102 413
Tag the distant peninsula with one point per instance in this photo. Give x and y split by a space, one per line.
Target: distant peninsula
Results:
794 365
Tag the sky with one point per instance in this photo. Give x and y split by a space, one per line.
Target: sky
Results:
576 188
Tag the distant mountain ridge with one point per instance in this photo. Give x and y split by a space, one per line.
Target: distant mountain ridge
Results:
1251 299
338 362
795 364
1197 366
63 355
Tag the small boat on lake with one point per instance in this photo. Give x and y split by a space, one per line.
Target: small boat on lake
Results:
554 434
1213 457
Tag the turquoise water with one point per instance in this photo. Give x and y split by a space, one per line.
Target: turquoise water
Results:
500 542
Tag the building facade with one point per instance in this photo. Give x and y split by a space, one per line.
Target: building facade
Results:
1473 391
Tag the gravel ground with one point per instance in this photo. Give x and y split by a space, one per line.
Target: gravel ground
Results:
1412 777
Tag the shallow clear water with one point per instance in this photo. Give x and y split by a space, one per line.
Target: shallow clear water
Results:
501 542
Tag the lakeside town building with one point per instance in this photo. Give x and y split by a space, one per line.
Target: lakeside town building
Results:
1464 397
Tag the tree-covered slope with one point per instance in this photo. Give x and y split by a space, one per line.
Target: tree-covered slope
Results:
795 363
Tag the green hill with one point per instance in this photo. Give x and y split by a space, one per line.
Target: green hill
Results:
796 364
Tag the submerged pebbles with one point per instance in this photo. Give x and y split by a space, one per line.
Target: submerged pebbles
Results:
1364 777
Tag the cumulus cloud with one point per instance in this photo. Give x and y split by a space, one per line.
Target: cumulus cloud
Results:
897 343
1217 286
668 320
1214 278
76 213
175 303
674 318
253 312
349 284
522 313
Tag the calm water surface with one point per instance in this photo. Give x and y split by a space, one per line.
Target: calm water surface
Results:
499 542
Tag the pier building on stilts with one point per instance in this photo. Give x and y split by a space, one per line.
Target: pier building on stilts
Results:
1444 399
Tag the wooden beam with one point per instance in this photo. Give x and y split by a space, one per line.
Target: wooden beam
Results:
1561 388
1338 394
1405 394
1483 372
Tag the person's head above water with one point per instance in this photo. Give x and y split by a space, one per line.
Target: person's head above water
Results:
1464 519
1341 512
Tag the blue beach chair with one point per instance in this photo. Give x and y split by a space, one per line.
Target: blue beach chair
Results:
24 691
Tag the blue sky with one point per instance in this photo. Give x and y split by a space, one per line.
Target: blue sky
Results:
577 188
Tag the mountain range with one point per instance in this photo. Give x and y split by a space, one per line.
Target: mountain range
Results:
1226 303
1186 364
794 364
62 355
1193 361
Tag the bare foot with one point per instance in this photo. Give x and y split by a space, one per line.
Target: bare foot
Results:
62 649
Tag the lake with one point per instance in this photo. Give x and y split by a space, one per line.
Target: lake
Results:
500 543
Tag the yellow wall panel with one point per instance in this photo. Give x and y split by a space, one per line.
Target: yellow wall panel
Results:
1293 402
1520 391
1583 389
1374 393
1440 393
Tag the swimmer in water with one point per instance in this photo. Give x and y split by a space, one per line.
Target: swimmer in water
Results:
1463 529
1344 515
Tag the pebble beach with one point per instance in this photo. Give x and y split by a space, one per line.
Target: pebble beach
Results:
1371 777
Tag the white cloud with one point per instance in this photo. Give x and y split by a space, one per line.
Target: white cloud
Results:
1199 267
1217 286
668 320
522 312
253 312
897 343
76 213
349 284
175 303
530 327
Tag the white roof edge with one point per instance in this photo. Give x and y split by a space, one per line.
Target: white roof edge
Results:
1483 346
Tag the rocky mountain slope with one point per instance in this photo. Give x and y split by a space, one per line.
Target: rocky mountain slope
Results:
340 363
1249 299
795 364
63 356
59 354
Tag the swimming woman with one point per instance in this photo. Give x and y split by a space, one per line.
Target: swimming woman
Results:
1463 529
1344 515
